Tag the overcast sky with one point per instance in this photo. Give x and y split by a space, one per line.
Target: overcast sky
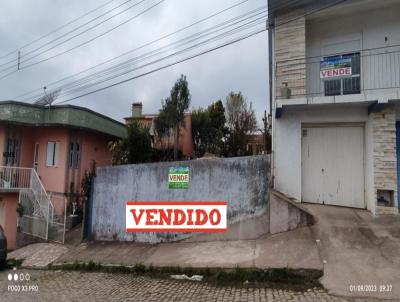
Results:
239 67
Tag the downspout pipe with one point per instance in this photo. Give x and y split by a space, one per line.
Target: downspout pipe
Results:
270 68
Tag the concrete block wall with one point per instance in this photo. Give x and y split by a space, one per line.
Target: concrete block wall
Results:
290 52
242 181
286 214
384 150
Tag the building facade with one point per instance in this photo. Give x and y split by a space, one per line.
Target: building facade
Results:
45 152
255 144
185 145
335 99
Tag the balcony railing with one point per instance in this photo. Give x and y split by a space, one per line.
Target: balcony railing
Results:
38 217
371 69
14 178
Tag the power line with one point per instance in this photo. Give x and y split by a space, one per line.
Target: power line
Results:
152 42
140 47
199 54
54 56
74 36
248 25
55 30
311 12
72 87
187 40
166 66
81 44
110 78
97 75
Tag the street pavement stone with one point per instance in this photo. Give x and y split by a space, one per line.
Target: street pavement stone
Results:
98 286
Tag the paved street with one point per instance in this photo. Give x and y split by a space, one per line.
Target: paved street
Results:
76 286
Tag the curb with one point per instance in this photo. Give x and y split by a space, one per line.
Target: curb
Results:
301 277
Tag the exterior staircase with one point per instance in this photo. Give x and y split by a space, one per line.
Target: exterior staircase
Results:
38 217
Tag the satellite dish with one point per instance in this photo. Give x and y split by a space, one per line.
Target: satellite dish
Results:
48 98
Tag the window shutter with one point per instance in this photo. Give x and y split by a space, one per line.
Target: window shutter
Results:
56 149
71 155
50 150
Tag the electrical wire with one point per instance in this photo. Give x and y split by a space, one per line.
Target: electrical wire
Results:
208 41
168 65
55 30
187 40
81 44
73 30
54 56
139 48
176 62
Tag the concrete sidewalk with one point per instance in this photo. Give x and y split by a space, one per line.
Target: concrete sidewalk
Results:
353 248
358 249
38 255
296 249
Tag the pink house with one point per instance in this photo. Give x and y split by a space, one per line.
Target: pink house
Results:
44 153
185 133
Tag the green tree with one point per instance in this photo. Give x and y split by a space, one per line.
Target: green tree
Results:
86 183
216 113
240 121
201 131
135 148
163 130
174 108
208 129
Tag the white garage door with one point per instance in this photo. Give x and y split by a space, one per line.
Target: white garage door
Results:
333 165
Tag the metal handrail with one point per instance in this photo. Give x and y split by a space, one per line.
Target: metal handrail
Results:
14 177
39 181
372 69
22 179
36 176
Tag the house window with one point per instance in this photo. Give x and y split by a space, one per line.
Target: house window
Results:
52 154
11 153
345 86
74 155
77 156
71 154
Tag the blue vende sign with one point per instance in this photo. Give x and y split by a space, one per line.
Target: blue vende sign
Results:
335 68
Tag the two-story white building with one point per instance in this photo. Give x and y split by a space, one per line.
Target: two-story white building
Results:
335 97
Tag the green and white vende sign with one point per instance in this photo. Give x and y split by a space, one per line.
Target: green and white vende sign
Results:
178 178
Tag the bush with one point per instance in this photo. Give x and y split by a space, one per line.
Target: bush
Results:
135 148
